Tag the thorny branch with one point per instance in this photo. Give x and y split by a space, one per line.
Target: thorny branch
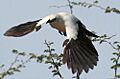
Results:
115 67
14 67
116 46
53 60
107 9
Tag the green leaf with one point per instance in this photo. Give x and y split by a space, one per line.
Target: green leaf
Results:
118 46
118 65
108 10
61 55
46 50
3 75
89 6
59 64
10 73
116 10
113 60
115 66
22 53
16 70
15 51
2 65
54 74
115 53
51 43
20 66
74 3
54 71
46 62
52 49
118 76
116 42
50 67
96 1
101 41
32 56
39 59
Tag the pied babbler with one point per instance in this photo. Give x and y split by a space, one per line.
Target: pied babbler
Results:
79 52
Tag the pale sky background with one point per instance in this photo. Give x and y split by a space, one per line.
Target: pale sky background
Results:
14 12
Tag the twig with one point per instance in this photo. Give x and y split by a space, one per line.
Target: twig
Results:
98 6
70 6
116 67
117 59
14 67
59 6
55 65
15 60
111 44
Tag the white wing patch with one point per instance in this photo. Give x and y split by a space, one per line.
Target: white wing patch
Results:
44 20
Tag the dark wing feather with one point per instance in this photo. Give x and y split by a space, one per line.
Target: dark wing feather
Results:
84 31
80 54
21 29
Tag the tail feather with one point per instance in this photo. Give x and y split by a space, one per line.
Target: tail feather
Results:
81 60
91 61
66 58
92 58
75 59
89 53
72 64
80 54
86 57
21 29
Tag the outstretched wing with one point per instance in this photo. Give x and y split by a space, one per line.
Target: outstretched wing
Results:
22 29
55 22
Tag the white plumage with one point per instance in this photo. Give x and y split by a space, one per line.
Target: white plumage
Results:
68 20
79 52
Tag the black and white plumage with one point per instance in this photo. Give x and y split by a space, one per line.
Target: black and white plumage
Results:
79 52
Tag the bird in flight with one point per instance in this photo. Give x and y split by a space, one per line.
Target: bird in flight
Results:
79 52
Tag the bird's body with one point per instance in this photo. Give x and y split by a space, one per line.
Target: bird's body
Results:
79 52
64 22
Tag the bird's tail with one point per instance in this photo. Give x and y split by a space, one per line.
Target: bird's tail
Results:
80 54
21 29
